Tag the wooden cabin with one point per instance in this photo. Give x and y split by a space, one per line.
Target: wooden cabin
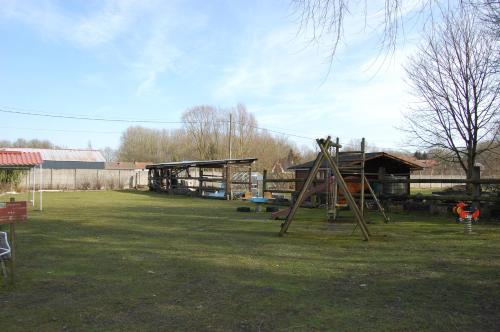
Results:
378 165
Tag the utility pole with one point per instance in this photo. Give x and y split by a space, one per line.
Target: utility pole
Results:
230 134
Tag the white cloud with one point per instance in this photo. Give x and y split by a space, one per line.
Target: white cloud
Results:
137 34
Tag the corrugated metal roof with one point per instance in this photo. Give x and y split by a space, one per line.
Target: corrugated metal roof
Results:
65 154
125 165
19 159
203 163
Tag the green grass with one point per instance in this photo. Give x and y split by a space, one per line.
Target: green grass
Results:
119 261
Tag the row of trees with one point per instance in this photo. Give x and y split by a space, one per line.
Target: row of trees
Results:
24 143
209 133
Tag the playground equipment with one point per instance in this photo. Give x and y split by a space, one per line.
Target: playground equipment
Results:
5 252
468 214
314 190
352 166
324 154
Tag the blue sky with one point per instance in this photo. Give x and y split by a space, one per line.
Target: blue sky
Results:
153 59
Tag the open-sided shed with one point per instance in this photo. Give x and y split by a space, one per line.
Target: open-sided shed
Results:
25 161
200 177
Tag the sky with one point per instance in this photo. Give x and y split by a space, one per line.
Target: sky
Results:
151 60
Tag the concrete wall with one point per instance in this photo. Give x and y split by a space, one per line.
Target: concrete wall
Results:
84 179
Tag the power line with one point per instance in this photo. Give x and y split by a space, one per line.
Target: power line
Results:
85 117
63 131
93 118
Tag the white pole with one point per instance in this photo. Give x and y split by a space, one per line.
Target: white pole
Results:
41 186
27 185
33 192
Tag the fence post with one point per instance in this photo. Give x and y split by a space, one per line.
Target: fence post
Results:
75 180
381 178
476 186
250 178
264 181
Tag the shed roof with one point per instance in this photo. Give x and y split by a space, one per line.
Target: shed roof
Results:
352 159
64 154
15 159
125 165
203 163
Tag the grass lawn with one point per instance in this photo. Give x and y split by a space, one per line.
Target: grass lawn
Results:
120 261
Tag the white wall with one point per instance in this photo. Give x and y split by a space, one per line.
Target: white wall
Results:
82 179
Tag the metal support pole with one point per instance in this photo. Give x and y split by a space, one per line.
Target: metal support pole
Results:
41 187
33 184
27 185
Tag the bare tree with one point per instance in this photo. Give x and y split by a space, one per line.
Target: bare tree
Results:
205 125
109 154
323 20
454 78
244 130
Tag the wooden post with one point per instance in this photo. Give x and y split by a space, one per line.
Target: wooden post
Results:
380 207
264 183
362 198
324 145
12 240
343 186
408 185
302 193
51 179
335 184
229 194
75 180
476 186
250 178
381 177
200 181
230 145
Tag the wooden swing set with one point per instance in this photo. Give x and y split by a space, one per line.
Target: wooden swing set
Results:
326 146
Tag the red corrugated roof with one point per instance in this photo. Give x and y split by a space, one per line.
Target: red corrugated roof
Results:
19 159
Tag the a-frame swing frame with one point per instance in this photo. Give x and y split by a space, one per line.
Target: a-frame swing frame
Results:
323 154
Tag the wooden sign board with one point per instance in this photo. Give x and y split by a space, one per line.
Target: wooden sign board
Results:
13 212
